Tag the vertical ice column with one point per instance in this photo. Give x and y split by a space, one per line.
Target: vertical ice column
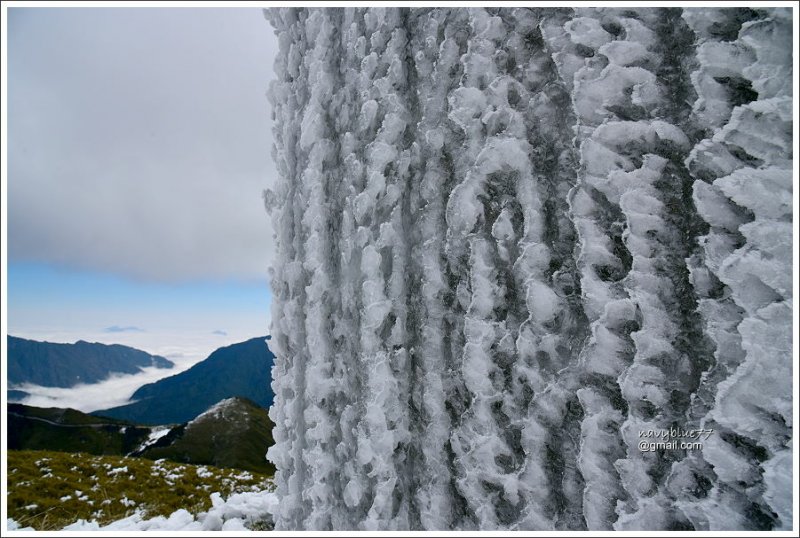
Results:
509 241
743 191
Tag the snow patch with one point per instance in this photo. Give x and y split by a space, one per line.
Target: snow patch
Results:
156 433
237 512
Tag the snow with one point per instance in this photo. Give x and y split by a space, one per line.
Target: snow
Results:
155 434
214 412
203 472
232 514
117 470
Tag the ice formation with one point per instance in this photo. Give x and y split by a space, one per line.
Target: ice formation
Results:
513 243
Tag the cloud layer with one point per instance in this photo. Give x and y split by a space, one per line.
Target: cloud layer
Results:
139 140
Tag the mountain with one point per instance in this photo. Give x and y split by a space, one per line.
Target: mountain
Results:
16 395
242 369
65 365
68 430
233 433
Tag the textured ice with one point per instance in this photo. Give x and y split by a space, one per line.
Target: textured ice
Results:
513 241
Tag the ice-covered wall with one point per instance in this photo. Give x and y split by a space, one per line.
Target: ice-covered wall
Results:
513 244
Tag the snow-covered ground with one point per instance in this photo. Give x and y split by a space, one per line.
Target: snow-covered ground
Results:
236 513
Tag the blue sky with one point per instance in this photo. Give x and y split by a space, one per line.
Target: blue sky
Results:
44 297
138 149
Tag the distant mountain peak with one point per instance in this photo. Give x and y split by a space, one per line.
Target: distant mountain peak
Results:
238 370
65 365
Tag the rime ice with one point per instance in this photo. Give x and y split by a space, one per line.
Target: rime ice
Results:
512 239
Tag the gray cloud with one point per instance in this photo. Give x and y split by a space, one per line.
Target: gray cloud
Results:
219 333
139 140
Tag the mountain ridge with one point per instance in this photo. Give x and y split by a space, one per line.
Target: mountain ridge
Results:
62 365
245 367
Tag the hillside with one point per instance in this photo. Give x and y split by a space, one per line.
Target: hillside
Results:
234 433
65 365
242 369
68 430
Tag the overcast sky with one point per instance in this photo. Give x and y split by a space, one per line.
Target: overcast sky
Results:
139 140
139 145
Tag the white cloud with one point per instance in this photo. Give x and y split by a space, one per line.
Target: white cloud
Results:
87 398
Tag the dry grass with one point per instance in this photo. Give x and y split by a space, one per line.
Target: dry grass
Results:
49 490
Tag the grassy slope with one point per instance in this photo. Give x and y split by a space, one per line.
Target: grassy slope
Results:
239 439
49 490
69 430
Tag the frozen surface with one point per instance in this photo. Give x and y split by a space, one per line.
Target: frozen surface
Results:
513 244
